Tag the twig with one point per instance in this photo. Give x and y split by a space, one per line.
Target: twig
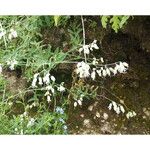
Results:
83 29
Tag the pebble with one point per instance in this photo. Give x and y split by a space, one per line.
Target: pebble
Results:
82 115
97 114
90 108
86 123
105 116
95 104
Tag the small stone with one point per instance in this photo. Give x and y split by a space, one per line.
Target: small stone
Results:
86 123
144 117
90 108
82 115
95 104
97 114
105 116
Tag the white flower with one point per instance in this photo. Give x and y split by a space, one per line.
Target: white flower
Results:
118 110
80 49
102 60
12 64
108 71
40 81
12 34
122 109
79 102
30 106
46 79
34 83
94 62
1 69
53 78
86 49
125 64
104 73
114 71
83 69
10 103
99 72
31 122
110 106
94 45
25 113
130 114
49 87
61 88
93 74
36 75
47 93
34 80
2 32
122 67
48 98
114 105
75 104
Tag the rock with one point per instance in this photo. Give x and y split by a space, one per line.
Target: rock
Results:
82 115
146 112
86 123
97 114
90 108
106 128
105 116
95 104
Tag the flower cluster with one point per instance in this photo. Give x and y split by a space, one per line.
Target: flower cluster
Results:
61 88
87 48
78 101
48 83
130 114
84 70
119 108
116 107
11 64
42 81
1 69
31 122
12 34
34 104
2 32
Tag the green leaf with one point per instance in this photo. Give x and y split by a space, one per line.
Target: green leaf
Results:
123 20
56 20
115 23
104 21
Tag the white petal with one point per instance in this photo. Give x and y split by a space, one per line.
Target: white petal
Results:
80 102
75 104
53 78
122 109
